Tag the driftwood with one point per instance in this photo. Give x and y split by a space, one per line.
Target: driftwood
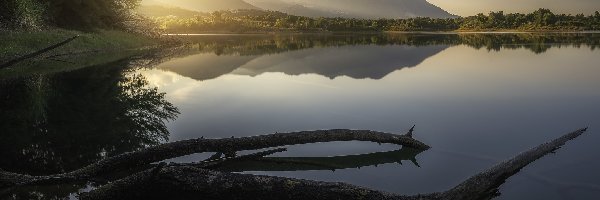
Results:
228 146
486 183
37 53
189 182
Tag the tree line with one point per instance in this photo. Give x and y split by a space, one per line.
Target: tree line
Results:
28 14
272 21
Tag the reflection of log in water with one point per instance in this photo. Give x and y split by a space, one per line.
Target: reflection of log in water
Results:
320 163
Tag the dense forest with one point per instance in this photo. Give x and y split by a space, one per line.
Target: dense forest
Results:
272 21
74 14
77 14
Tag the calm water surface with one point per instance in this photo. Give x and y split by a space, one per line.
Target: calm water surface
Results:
476 99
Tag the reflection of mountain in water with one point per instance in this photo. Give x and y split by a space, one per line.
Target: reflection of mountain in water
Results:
373 62
355 55
358 62
206 66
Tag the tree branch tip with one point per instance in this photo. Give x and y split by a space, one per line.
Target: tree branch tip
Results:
410 132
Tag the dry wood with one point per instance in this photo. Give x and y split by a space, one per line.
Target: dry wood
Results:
228 145
185 182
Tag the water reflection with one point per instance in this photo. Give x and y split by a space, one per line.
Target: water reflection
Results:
246 45
323 163
57 123
356 56
472 96
373 62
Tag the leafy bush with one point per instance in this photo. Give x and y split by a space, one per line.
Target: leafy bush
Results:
26 14
79 14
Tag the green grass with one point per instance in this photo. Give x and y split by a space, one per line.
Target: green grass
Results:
107 46
16 43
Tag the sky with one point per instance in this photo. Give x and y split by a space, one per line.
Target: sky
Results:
472 7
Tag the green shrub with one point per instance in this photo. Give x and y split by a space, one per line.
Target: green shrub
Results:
78 14
24 14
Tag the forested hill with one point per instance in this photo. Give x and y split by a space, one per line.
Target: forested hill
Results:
76 14
241 21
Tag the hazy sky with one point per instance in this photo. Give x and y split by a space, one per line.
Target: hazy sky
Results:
471 7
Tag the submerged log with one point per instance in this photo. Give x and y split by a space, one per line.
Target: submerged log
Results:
485 184
187 182
181 148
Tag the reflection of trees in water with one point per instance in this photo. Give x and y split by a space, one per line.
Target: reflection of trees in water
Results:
269 44
53 124
537 43
352 55
63 122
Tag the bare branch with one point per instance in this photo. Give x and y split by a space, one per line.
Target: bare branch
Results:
186 182
181 148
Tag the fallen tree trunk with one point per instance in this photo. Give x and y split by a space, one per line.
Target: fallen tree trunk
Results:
184 182
37 53
486 183
187 182
229 146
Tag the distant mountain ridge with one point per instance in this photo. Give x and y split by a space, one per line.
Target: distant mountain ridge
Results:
293 8
158 10
206 5
370 9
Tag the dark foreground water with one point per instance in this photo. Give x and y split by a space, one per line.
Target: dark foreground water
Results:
475 98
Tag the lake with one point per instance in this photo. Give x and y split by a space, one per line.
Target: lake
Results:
476 99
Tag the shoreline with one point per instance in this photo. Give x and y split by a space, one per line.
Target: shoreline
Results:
381 32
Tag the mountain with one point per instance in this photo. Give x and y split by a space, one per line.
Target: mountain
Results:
206 5
292 8
157 10
371 9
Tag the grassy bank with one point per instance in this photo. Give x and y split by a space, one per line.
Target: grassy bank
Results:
17 43
90 48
